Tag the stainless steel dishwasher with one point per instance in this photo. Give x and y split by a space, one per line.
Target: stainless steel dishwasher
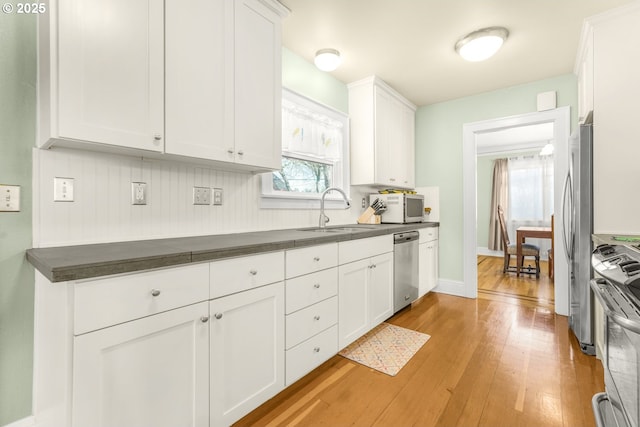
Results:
405 269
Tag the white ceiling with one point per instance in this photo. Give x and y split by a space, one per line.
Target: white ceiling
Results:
409 43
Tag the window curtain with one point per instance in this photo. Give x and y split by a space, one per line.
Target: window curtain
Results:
310 134
499 197
530 196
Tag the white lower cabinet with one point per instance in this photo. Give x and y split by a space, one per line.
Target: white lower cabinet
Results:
365 295
247 351
428 260
149 372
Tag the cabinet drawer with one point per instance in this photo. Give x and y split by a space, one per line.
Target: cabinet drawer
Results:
308 355
304 324
428 234
353 250
311 259
305 290
238 274
105 302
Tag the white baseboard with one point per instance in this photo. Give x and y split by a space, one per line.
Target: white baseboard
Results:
450 287
488 252
25 422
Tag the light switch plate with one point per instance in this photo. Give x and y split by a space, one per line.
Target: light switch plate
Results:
138 193
62 189
201 196
217 196
9 198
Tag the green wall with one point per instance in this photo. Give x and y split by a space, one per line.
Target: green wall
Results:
439 150
303 77
17 135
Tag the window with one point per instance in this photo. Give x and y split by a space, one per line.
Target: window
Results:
315 147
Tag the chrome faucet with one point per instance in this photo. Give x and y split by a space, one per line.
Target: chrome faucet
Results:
323 218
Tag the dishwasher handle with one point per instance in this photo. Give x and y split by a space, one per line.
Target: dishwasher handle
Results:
405 237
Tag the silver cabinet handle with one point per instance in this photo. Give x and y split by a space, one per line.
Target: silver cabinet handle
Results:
316 349
374 266
392 179
218 316
157 137
253 272
317 286
230 150
155 292
204 319
316 258
316 317
240 152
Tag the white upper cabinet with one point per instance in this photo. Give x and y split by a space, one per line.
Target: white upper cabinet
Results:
199 98
382 135
258 85
584 71
201 80
101 73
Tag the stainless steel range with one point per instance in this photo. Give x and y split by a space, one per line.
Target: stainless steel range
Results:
618 290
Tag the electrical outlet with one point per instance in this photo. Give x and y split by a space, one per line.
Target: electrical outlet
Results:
217 196
364 202
201 196
9 198
62 189
138 193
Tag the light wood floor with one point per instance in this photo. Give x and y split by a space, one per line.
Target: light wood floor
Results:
493 361
492 283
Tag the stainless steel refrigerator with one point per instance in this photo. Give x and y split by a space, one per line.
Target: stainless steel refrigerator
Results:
577 221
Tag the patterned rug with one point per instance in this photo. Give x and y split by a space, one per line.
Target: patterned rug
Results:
386 348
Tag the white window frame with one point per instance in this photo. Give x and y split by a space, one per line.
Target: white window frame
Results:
273 199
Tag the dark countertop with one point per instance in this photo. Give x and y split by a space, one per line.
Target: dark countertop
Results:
616 239
64 263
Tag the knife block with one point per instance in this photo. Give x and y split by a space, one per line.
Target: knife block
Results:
368 217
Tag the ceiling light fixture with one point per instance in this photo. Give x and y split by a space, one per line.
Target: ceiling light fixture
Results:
482 44
327 59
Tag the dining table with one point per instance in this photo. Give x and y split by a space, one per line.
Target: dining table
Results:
526 231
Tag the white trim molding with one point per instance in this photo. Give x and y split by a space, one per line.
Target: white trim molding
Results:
560 117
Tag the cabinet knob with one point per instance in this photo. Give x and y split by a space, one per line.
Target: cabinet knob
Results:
204 319
316 317
155 292
316 349
157 137
218 316
240 152
316 258
253 272
392 179
230 150
317 286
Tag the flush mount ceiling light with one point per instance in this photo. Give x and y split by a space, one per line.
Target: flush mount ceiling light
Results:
327 59
481 44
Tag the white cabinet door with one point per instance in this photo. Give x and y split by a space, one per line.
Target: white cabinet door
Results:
149 372
199 76
258 87
247 351
427 267
353 296
385 139
110 73
380 289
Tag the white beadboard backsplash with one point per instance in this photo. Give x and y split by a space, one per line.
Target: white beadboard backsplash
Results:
102 209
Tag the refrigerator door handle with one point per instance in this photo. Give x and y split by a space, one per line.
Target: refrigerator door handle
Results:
568 250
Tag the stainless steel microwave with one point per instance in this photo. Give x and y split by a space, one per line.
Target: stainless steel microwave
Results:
401 208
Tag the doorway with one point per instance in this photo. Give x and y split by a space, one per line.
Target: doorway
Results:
525 190
560 117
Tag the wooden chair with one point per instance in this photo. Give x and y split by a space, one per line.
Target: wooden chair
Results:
528 250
